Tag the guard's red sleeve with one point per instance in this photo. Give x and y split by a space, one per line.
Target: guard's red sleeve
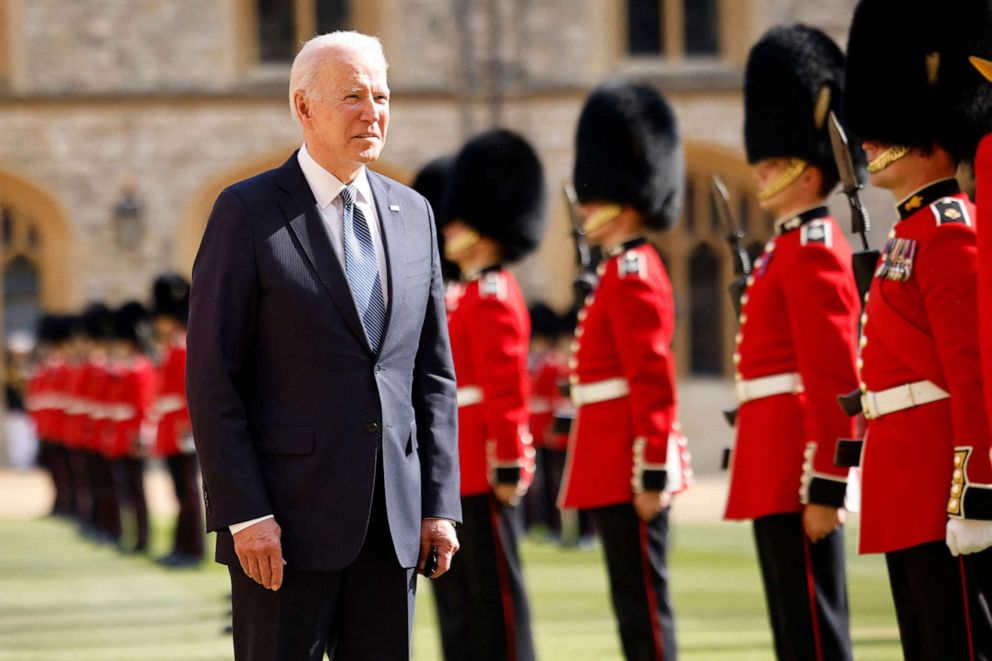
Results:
983 201
947 270
823 310
641 320
499 348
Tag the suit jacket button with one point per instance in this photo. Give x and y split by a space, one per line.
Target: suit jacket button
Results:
372 427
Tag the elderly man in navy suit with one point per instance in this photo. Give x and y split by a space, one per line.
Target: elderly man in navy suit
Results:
320 380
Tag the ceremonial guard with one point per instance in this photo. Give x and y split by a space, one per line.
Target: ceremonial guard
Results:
983 200
40 403
625 455
174 439
547 373
795 347
926 473
131 394
495 212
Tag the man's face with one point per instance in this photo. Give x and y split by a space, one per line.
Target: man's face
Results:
346 126
894 173
766 172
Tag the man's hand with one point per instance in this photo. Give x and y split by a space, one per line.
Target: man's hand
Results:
649 504
440 534
966 536
510 494
260 553
821 520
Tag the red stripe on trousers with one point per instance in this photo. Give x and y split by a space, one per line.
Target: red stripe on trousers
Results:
649 588
967 609
811 591
503 572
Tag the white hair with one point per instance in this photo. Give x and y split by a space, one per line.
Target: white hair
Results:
308 60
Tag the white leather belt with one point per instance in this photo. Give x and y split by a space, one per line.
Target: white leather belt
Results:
599 391
876 404
748 390
469 395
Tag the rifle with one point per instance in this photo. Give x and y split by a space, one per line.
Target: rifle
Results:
735 239
585 259
865 261
742 267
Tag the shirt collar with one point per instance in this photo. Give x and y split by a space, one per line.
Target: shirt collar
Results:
629 244
325 186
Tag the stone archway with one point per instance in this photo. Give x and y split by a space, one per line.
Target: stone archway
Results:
35 250
194 221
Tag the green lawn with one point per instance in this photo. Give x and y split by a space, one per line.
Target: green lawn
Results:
61 598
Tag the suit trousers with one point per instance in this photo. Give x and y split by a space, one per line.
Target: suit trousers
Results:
637 562
482 604
805 589
364 611
942 602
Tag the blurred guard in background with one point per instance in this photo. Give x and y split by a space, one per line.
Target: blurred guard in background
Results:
130 398
983 200
174 441
547 370
921 109
626 457
40 402
495 216
795 347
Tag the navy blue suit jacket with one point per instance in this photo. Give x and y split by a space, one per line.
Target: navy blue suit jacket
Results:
289 404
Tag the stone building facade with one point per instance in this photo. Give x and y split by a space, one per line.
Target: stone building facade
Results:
121 120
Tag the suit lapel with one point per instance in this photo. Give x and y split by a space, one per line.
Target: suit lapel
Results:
300 208
387 223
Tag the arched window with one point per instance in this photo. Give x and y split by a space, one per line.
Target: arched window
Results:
673 28
21 296
705 305
282 25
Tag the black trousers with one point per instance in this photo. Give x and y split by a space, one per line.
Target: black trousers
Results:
637 562
129 479
190 534
805 589
82 500
482 605
106 507
364 611
942 602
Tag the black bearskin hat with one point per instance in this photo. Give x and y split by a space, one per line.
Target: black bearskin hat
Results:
171 294
47 330
794 78
432 182
98 322
544 322
628 151
497 189
131 322
909 81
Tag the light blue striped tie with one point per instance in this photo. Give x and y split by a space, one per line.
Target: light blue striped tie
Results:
362 268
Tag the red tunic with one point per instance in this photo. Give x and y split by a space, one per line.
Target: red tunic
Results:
37 398
983 200
625 332
545 395
134 385
922 325
489 329
799 315
75 403
170 406
57 401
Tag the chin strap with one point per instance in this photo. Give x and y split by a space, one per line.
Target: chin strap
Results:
791 172
887 158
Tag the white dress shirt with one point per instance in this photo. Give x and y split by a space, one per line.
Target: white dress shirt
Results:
327 190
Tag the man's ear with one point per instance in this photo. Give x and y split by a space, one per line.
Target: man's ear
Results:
302 106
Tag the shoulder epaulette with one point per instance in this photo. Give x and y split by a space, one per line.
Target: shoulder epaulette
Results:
950 210
816 232
632 263
492 286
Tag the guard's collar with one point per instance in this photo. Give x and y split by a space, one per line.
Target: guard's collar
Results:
629 244
492 268
924 197
789 223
